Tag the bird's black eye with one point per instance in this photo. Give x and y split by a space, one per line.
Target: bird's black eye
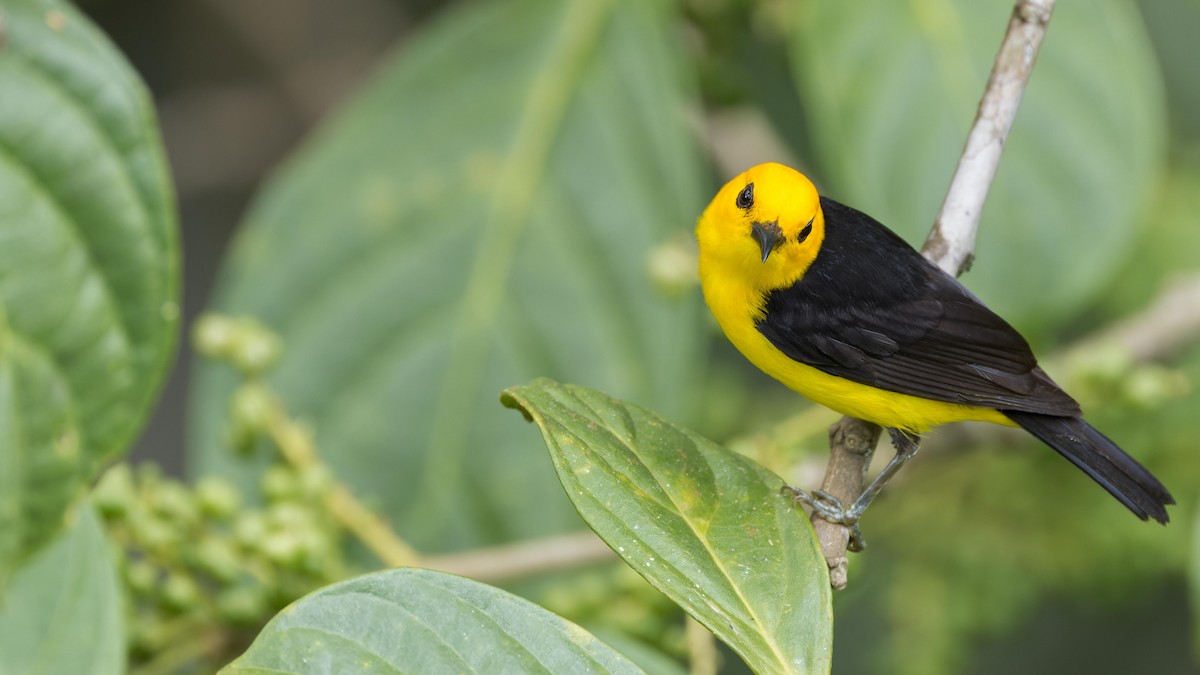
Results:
805 231
745 198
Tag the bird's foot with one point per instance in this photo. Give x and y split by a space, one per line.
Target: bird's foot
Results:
830 509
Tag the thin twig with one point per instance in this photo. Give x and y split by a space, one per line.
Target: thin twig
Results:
950 245
851 445
297 448
1171 322
524 559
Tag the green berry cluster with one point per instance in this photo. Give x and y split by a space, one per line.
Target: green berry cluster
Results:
200 565
246 343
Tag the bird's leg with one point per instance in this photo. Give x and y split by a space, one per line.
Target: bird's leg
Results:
906 445
830 508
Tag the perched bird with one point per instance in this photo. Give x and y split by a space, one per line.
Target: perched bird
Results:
837 307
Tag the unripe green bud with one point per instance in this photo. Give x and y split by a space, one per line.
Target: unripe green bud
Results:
153 533
256 349
279 483
315 481
174 503
180 592
217 497
217 557
250 407
281 547
249 529
141 576
672 268
290 516
215 335
115 492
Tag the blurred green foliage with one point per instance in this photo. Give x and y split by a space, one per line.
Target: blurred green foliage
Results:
356 257
512 197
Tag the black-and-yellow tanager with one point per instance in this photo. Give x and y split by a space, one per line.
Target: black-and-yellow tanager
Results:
839 308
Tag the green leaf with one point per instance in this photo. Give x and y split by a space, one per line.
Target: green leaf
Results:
421 621
88 264
62 613
704 525
892 88
481 214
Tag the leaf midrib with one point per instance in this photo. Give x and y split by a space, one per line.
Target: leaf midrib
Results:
703 538
513 199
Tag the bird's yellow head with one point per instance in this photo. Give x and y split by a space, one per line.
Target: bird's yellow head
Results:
763 229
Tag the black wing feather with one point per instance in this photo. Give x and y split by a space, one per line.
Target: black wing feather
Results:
872 310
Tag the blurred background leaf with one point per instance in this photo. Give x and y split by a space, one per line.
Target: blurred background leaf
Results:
63 612
411 620
88 264
892 89
482 213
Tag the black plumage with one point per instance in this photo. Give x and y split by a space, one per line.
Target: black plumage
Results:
872 310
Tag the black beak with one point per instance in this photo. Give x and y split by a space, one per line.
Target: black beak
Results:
768 236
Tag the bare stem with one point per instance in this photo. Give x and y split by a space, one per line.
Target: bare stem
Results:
296 446
1171 322
950 245
522 559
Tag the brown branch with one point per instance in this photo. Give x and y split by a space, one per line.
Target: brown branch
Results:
950 245
1170 323
851 446
524 559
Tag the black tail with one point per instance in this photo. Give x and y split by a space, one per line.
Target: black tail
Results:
1102 460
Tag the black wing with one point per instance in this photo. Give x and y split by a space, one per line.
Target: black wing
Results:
872 310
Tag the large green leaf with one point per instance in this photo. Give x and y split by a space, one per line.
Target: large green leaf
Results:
88 263
63 612
481 214
420 621
704 525
892 88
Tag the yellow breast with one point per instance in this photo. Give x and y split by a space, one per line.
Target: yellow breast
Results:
736 307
